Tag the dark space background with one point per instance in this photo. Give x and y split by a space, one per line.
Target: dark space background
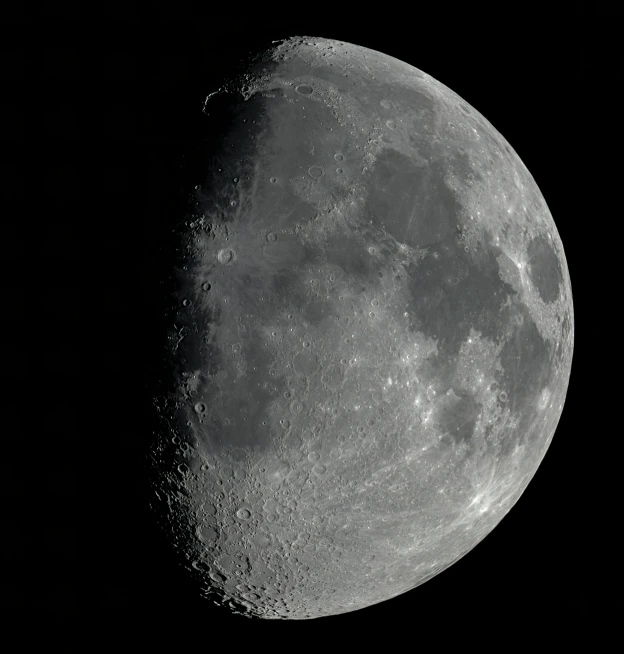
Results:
106 105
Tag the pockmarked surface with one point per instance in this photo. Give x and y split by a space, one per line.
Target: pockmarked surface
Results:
370 339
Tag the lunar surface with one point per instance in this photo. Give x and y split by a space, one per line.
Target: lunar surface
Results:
370 337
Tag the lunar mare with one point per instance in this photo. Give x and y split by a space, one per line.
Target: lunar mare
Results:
370 340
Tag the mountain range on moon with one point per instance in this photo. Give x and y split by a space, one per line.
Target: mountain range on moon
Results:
370 336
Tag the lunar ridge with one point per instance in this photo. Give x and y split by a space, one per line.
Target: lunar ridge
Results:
370 337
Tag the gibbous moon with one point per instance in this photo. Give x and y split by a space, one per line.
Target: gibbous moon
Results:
370 337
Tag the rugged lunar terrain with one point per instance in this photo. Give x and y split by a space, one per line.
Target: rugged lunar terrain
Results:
370 341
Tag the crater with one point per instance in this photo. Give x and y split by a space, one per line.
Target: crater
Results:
226 255
458 413
305 362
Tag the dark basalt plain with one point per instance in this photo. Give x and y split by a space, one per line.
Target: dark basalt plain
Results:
371 336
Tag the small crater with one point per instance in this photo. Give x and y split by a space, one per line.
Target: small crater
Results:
273 180
185 303
390 124
304 89
200 407
226 255
315 171
206 286
271 237
243 514
296 407
314 456
339 171
338 156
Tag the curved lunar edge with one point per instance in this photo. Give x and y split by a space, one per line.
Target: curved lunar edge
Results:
370 338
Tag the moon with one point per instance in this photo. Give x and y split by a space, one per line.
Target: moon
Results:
369 341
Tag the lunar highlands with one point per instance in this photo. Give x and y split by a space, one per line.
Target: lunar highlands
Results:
370 335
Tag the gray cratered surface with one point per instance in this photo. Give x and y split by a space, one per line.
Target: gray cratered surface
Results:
371 339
